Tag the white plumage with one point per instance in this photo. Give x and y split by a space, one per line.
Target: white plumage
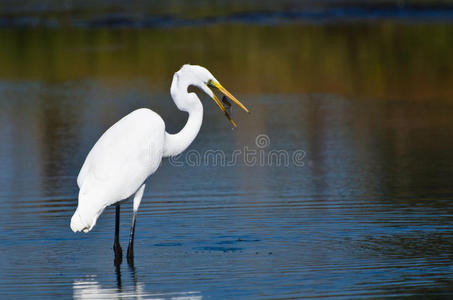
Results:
116 167
132 149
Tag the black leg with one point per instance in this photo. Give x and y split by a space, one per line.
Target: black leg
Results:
134 276
118 277
130 248
116 245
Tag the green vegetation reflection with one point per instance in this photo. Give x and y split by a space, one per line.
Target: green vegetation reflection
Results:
386 60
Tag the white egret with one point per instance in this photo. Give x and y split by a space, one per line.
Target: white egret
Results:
131 150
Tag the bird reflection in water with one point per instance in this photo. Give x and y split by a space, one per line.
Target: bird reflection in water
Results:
90 288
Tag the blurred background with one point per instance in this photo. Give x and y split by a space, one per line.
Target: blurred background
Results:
368 49
364 88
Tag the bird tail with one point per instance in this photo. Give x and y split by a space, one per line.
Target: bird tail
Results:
90 207
86 214
77 223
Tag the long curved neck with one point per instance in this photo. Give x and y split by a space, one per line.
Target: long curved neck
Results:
176 143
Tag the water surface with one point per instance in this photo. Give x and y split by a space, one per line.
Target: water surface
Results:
367 211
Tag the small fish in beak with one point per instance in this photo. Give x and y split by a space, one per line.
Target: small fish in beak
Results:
225 100
227 105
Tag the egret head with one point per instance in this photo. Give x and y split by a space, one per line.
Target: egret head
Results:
203 79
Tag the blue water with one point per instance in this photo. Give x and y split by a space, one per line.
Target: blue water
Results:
367 210
163 16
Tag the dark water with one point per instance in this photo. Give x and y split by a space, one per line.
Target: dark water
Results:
365 211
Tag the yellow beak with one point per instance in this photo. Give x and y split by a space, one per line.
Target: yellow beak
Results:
228 94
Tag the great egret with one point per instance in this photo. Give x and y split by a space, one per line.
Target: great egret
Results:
132 149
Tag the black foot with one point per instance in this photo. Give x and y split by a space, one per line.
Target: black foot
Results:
130 255
118 254
130 261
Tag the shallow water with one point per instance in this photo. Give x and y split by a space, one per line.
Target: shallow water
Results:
364 210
